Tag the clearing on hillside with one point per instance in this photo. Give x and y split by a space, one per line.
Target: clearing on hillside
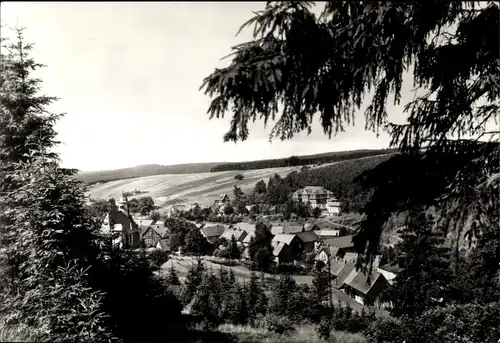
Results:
202 188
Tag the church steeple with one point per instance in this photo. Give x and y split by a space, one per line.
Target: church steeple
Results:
123 204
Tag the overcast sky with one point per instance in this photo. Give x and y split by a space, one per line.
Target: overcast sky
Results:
128 74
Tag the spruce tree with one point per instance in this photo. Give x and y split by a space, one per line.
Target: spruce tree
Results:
262 304
194 278
48 240
203 302
173 278
282 292
260 248
320 285
253 292
242 307
424 281
234 249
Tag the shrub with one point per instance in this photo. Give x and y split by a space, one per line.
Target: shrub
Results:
222 253
385 330
158 258
324 328
277 324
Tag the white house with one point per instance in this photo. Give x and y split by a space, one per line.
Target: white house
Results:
333 206
319 197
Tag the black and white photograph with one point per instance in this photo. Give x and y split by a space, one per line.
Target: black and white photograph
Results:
245 171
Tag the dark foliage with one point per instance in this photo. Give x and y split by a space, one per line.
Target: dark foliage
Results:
301 160
260 248
158 258
341 179
59 277
455 323
179 229
425 280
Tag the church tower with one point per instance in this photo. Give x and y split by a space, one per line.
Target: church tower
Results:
123 204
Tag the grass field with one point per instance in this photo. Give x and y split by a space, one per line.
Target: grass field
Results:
302 334
202 188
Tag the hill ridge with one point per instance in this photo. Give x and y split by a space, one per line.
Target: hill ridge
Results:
93 177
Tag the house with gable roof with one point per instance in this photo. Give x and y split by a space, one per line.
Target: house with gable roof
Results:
286 228
343 244
329 229
299 243
238 234
223 200
120 226
366 289
155 232
212 232
282 253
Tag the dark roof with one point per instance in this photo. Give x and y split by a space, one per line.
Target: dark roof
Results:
343 272
359 281
340 242
239 235
336 266
161 229
284 238
213 231
308 236
278 249
245 227
144 223
286 228
164 245
325 224
393 268
118 217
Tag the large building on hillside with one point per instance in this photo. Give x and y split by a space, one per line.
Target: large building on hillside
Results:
121 227
318 196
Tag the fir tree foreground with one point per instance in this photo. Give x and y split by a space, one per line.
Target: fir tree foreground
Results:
60 279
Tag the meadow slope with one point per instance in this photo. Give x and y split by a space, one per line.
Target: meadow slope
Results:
203 188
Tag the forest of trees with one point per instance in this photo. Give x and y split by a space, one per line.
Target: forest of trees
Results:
301 160
343 179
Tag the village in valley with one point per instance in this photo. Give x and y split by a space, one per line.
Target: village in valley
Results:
320 239
329 174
